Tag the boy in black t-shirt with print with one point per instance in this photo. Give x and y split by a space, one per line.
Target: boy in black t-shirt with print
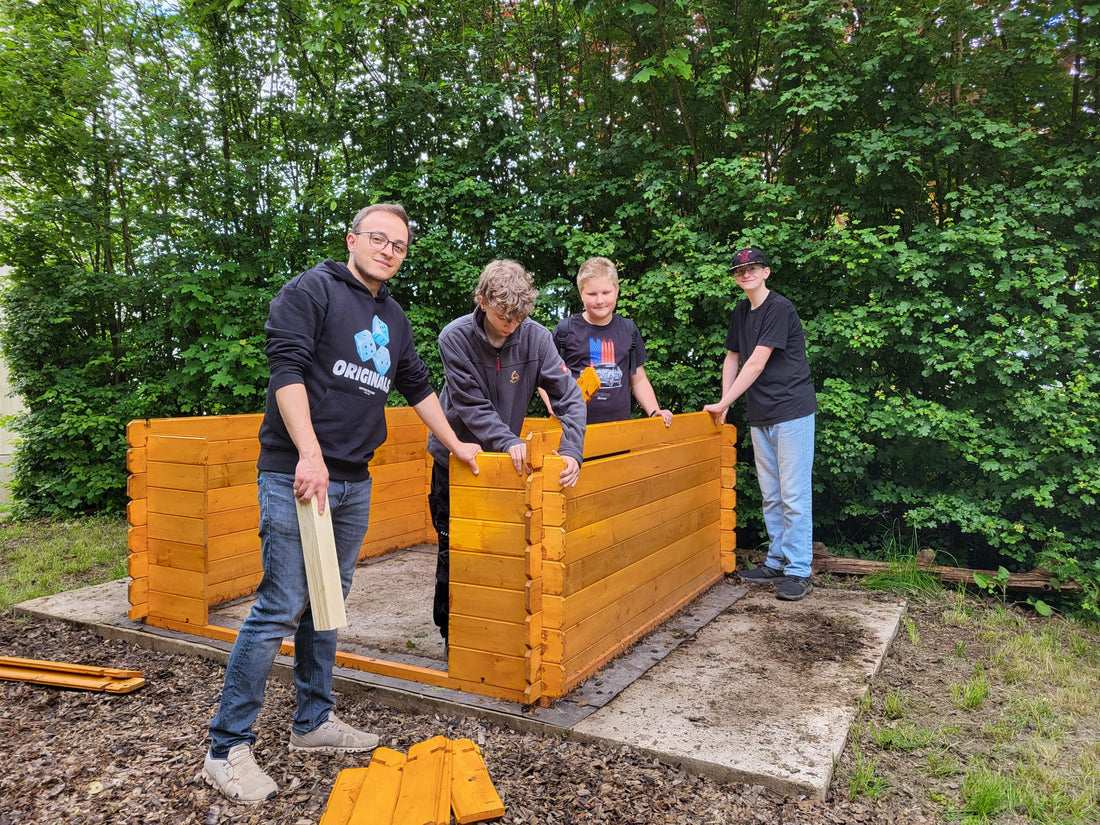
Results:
600 338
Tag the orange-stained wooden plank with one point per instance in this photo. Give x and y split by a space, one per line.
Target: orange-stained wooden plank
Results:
489 603
233 567
424 783
137 485
729 476
558 680
502 538
230 474
178 556
541 443
137 459
232 544
386 474
137 565
495 471
474 798
567 611
346 791
177 528
729 435
489 504
137 538
229 452
617 470
172 502
381 788
638 607
137 432
137 592
484 668
728 519
137 512
398 451
66 667
175 449
214 427
606 559
533 525
232 521
644 434
488 570
391 505
231 498
584 508
188 583
628 524
729 499
218 592
61 678
187 610
490 636
177 476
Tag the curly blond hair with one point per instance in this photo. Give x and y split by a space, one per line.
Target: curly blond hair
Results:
508 288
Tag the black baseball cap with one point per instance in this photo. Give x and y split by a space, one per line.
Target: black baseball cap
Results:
749 257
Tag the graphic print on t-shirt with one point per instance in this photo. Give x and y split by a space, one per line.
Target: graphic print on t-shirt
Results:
601 353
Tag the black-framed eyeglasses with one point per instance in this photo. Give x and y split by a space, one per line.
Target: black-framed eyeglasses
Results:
380 240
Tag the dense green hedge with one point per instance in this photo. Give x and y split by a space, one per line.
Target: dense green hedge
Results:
924 176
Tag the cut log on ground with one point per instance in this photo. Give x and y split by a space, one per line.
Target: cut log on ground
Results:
1037 580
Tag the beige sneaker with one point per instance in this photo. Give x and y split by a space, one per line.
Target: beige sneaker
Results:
333 736
238 776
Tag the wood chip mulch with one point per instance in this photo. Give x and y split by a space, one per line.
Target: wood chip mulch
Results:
83 757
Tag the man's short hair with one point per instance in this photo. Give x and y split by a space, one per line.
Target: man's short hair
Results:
597 268
393 208
508 288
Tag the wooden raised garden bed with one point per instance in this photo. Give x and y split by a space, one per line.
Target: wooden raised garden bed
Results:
547 585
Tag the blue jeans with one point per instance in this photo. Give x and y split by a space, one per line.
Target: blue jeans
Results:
784 467
282 609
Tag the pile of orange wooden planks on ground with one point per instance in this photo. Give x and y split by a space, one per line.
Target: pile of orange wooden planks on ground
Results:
63 674
438 775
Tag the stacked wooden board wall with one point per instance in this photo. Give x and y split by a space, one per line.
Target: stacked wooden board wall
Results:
547 585
193 511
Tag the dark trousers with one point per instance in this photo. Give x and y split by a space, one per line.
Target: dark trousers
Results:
439 505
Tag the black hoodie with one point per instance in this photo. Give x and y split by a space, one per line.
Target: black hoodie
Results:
325 330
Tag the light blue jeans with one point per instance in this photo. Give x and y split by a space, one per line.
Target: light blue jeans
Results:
282 609
784 466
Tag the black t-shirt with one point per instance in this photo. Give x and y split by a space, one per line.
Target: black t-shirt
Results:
783 391
614 349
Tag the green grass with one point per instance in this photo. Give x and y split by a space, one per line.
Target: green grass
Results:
39 558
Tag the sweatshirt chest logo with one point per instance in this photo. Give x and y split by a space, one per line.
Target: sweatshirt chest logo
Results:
373 345
514 377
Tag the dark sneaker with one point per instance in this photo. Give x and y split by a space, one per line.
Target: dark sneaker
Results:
238 776
794 588
333 736
761 575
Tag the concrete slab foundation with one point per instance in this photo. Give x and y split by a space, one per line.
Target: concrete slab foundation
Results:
737 685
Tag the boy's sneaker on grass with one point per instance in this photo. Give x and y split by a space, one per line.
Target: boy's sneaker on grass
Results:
238 776
794 588
761 575
333 736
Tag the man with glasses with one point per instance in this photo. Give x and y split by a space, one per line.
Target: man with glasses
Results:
336 344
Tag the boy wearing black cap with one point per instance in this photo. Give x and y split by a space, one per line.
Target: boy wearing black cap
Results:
766 362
